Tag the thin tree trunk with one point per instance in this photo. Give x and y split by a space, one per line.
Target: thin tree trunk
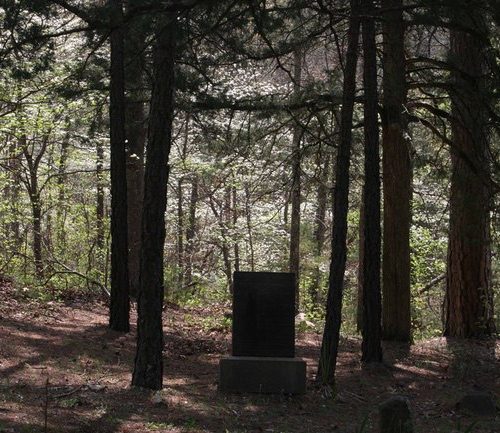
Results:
235 222
61 186
33 189
148 369
180 210
119 305
191 230
180 232
36 209
371 346
227 223
331 334
361 259
248 214
320 219
100 183
468 301
222 219
397 177
294 261
14 192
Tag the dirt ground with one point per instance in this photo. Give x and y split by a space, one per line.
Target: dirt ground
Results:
60 365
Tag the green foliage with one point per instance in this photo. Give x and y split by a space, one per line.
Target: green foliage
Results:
428 261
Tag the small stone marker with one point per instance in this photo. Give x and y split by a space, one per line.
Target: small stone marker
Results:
395 415
263 349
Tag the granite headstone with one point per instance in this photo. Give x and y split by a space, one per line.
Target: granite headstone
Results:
263 355
263 314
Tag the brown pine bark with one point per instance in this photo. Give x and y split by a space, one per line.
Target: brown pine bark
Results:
119 304
468 300
371 345
331 334
396 316
148 368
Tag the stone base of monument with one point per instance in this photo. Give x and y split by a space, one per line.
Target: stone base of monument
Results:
241 374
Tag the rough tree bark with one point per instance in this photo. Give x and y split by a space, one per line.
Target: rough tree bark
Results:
148 369
330 343
371 346
119 305
468 300
135 129
397 177
294 261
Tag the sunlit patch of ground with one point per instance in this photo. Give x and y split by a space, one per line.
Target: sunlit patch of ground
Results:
61 365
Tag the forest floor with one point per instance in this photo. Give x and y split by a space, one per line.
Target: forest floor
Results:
60 364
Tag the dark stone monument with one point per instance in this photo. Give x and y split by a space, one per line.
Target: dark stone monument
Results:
263 336
263 314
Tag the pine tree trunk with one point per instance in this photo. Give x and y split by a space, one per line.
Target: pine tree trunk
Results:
396 317
331 334
148 369
468 301
371 345
135 188
136 140
294 265
119 305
